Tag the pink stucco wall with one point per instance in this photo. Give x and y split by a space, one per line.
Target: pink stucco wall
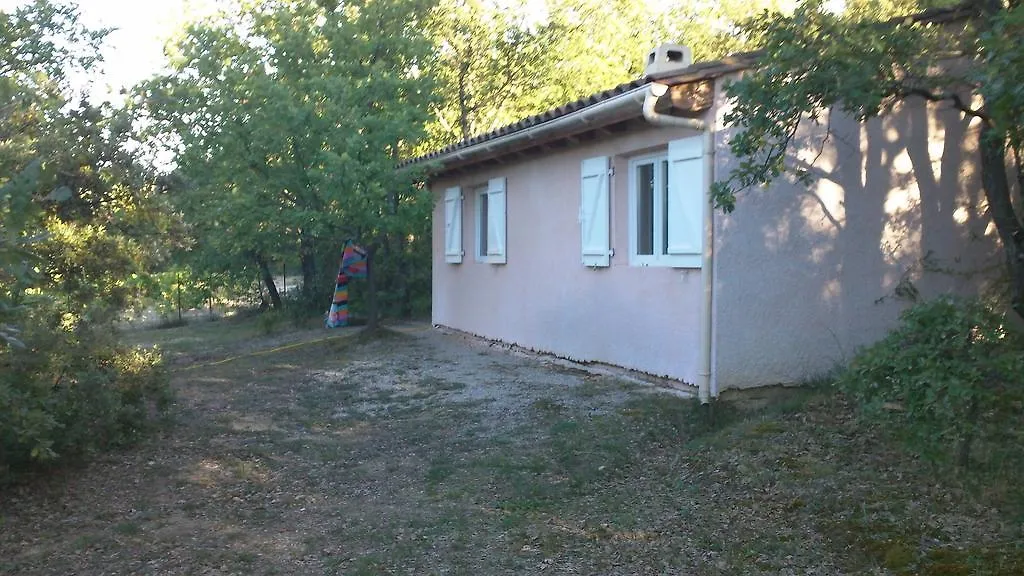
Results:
805 277
643 318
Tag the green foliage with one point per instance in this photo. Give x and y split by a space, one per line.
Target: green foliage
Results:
1002 75
76 215
77 210
498 62
44 42
949 375
72 389
16 256
270 321
182 286
287 119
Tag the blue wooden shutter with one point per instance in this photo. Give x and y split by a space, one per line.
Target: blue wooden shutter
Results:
685 203
496 221
453 225
594 212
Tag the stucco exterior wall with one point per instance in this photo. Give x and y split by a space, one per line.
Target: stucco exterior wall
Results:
804 277
543 298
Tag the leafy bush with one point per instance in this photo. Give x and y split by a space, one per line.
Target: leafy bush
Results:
73 389
950 374
165 291
270 321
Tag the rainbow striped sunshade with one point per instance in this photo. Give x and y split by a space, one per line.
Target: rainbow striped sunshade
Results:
353 265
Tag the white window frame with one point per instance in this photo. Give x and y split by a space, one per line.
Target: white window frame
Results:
480 230
659 258
636 259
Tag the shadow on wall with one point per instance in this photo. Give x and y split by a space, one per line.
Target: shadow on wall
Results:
806 275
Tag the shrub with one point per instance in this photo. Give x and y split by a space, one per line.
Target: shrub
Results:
270 321
947 375
73 389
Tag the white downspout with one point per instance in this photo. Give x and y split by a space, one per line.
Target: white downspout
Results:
655 92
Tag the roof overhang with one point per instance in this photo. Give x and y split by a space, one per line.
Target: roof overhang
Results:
616 109
609 115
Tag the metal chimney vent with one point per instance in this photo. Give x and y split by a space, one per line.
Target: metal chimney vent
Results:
668 58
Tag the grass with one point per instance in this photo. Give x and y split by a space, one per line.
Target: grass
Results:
411 454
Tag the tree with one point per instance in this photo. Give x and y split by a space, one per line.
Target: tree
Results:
70 179
815 61
75 214
287 118
498 61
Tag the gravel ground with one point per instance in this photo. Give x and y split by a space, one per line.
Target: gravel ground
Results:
418 452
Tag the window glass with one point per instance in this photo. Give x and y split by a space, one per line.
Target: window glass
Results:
482 220
663 200
645 209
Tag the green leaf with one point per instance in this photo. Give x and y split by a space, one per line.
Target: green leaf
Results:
59 194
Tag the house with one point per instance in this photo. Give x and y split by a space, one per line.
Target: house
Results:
587 232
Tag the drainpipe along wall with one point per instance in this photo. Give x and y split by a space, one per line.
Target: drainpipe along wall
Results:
656 91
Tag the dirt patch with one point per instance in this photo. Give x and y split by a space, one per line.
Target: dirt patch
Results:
421 453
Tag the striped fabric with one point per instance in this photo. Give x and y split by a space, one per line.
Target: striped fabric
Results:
353 265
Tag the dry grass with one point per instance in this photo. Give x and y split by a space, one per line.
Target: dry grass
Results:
415 454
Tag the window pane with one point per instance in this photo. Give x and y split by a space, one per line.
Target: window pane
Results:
482 232
645 210
663 198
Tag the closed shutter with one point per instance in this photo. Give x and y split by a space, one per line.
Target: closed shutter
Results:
496 220
685 206
453 225
594 212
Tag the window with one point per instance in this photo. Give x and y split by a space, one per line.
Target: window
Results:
666 193
481 221
490 221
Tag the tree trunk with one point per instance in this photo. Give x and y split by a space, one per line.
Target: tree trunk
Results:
465 124
1008 223
307 261
177 286
372 314
1015 259
268 281
402 278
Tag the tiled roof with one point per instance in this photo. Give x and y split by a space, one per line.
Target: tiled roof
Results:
530 121
693 73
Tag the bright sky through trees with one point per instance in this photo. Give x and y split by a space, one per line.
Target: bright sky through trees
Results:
134 51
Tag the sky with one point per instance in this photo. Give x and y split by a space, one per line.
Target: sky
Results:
134 51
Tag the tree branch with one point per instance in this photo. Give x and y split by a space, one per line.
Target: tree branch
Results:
824 139
778 150
953 97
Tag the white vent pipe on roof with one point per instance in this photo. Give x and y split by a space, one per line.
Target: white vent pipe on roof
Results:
655 92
